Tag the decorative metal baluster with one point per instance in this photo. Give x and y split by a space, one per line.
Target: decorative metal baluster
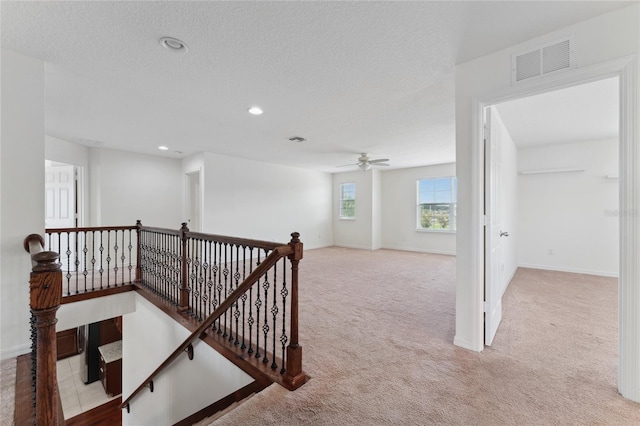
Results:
177 260
101 249
93 259
258 304
284 292
122 258
190 276
244 296
216 299
206 291
108 258
250 320
76 260
274 312
130 247
265 326
219 285
115 258
68 253
225 272
199 279
236 306
85 250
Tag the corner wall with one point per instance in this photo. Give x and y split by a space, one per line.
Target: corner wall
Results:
569 221
22 189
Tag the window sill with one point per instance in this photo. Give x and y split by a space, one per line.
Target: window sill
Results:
347 218
435 231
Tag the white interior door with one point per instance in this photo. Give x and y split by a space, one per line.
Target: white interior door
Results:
194 221
493 287
60 212
60 197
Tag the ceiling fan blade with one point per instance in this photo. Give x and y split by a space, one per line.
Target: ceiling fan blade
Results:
380 164
347 165
381 160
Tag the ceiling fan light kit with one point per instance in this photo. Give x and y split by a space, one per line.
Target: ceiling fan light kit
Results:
365 163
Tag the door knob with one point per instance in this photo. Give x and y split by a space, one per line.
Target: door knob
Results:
504 234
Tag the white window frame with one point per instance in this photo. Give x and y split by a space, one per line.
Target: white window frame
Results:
452 206
341 201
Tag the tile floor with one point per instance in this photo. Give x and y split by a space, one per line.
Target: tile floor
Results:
75 395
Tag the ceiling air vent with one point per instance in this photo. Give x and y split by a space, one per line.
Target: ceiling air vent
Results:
549 58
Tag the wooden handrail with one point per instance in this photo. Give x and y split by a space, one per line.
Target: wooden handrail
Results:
277 253
88 229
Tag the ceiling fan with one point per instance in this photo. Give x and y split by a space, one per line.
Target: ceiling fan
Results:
365 163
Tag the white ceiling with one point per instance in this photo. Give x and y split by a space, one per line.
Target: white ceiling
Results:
350 77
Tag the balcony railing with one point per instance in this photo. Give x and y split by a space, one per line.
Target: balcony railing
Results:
243 293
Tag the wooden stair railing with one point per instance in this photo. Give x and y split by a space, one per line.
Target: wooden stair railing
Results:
45 293
295 376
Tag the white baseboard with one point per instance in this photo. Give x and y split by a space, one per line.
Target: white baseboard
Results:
571 270
15 351
353 246
420 250
463 343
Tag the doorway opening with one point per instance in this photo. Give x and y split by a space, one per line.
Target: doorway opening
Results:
194 201
557 187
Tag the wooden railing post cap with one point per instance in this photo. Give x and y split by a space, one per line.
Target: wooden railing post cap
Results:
184 227
296 245
46 261
138 223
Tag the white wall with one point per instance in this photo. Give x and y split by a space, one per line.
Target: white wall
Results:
607 37
22 192
358 232
185 387
127 186
399 222
264 201
572 214
71 315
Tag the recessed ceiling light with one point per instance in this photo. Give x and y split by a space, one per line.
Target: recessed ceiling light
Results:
163 148
174 44
255 110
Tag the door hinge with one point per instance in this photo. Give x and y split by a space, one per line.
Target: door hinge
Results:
484 307
485 220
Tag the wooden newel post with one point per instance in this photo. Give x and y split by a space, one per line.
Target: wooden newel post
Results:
138 260
184 293
294 377
45 288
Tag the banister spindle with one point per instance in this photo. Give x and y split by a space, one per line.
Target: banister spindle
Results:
184 294
138 242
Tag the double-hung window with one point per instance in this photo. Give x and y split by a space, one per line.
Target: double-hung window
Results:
437 201
347 201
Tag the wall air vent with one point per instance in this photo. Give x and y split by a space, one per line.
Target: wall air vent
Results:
547 59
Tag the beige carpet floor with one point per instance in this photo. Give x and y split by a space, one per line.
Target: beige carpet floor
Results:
7 391
377 331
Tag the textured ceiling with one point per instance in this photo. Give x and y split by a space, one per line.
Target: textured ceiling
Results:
350 77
